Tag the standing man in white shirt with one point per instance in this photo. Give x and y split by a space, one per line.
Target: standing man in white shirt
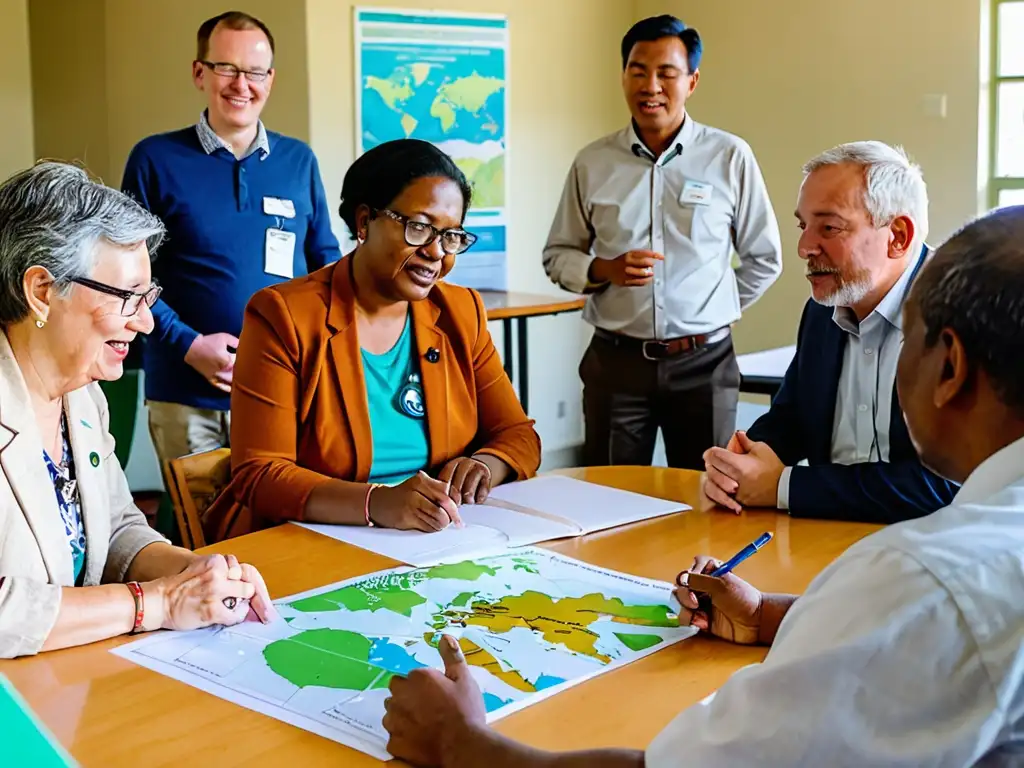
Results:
909 649
647 226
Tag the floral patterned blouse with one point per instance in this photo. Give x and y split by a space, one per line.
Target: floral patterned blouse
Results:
66 487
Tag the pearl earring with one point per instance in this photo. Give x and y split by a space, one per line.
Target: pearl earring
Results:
40 323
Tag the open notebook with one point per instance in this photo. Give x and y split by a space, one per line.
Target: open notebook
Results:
514 515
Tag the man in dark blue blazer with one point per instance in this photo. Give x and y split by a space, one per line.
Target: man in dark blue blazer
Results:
834 443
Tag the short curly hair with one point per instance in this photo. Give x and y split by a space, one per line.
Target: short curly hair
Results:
379 176
974 286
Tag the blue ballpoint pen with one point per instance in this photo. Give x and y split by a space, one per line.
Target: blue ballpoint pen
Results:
742 555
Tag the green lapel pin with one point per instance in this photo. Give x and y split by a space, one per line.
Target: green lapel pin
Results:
94 459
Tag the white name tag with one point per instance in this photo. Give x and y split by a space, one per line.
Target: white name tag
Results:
279 253
275 206
696 193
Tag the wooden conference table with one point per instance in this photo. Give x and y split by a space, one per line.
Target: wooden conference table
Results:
109 712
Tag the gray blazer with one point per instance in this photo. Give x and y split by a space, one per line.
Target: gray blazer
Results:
35 559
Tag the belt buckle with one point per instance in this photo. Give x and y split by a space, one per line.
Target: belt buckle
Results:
662 345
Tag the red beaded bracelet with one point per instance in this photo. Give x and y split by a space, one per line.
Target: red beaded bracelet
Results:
366 503
140 605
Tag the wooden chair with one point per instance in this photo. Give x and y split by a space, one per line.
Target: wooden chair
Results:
193 482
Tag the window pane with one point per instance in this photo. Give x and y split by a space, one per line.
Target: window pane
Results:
1010 130
1011 35
1011 197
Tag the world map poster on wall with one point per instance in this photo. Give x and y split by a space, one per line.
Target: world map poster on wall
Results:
442 77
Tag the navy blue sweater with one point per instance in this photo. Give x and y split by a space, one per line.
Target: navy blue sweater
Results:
213 260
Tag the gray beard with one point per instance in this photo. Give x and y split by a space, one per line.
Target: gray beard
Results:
847 295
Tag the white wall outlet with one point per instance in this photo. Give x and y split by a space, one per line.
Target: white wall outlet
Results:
934 105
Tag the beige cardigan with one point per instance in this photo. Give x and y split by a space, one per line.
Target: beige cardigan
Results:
35 559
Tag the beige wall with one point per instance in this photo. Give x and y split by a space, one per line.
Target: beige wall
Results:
68 39
150 48
564 93
16 147
791 84
795 83
109 72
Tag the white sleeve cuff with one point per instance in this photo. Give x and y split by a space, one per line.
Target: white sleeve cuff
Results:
783 492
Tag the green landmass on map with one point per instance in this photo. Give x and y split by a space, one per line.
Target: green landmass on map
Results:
390 591
332 658
638 642
525 564
394 90
470 92
465 571
488 182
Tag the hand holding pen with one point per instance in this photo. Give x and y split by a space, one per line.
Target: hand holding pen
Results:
716 601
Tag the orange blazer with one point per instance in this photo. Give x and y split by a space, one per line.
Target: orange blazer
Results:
299 414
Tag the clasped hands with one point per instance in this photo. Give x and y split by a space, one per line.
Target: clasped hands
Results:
431 715
743 474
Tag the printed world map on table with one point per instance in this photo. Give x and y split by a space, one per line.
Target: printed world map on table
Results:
530 624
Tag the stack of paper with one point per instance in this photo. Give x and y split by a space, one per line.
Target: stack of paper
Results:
515 515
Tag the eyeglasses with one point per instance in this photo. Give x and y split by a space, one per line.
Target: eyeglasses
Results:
131 301
419 234
230 71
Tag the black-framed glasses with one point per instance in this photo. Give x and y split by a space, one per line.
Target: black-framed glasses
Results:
230 71
419 234
131 301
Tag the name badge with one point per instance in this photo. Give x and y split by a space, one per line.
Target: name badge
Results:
275 206
279 253
696 193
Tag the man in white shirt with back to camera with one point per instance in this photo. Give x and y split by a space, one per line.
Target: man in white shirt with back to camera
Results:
907 650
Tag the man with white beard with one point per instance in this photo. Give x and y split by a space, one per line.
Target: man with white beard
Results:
834 443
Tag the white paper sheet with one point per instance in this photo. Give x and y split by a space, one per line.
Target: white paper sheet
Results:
585 507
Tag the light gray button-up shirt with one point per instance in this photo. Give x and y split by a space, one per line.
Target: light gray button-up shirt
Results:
696 203
860 426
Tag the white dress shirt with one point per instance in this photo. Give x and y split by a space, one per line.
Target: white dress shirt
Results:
860 427
694 204
906 651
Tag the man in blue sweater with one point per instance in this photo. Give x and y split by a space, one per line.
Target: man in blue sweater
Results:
244 208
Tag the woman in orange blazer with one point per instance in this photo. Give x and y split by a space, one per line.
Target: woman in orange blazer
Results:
370 393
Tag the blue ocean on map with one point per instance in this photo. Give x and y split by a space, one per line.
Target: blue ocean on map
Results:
411 100
387 655
492 702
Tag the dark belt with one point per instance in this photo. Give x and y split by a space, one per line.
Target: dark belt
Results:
657 349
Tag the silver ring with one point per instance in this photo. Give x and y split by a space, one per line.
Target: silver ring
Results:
650 270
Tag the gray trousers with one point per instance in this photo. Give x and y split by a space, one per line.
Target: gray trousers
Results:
627 398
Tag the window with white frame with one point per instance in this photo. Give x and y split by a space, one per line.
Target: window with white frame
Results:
1006 161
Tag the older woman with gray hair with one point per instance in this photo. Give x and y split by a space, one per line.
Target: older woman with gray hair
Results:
78 562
